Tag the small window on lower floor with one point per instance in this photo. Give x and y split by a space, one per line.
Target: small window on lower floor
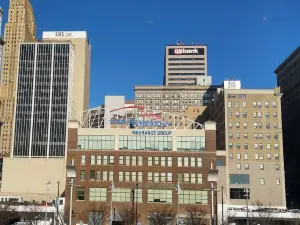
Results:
80 193
278 181
262 181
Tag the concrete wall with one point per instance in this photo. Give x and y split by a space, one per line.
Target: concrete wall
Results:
27 177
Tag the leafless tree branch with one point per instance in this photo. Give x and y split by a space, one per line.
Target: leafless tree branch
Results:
161 216
195 216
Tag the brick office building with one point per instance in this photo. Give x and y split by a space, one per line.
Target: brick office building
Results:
150 161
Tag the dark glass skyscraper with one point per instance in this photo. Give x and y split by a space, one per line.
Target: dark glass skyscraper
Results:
43 99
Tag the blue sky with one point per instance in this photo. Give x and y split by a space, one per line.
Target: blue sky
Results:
246 39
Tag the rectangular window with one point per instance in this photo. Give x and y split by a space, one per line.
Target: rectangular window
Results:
121 160
237 135
121 176
244 104
133 160
230 125
105 158
278 181
179 161
154 143
196 143
246 166
238 166
111 160
193 197
150 160
256 156
245 135
83 160
239 178
274 104
156 160
254 104
199 162
150 176
245 146
276 157
186 161
199 178
170 177
82 174
98 175
246 156
98 194
239 193
163 161
156 177
161 196
245 124
277 167
236 104
93 160
127 176
186 177
268 146
229 104
230 155
262 181
238 156
163 177
121 195
170 161
193 162
80 193
275 136
104 175
133 176
127 160
99 159
140 176
92 175
93 142
276 146
274 114
237 124
266 104
138 195
179 177
261 167
140 160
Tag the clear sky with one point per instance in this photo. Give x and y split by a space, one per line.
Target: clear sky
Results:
246 39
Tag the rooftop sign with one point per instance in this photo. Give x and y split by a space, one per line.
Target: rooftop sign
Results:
152 132
186 51
140 123
64 34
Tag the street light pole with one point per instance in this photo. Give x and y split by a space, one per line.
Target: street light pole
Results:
136 207
111 201
247 206
212 202
71 173
178 190
222 188
46 193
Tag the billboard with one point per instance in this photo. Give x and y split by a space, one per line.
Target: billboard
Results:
186 51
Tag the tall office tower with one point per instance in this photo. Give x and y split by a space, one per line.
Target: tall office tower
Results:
82 66
186 65
44 99
19 28
288 79
249 131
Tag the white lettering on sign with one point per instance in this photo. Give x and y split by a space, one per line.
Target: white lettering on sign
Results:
63 34
180 51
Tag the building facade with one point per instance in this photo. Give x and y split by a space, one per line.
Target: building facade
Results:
19 28
114 164
288 80
186 65
249 132
173 99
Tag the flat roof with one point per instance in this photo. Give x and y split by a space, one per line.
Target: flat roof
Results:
176 87
286 61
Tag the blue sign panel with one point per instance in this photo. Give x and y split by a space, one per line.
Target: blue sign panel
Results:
152 132
139 123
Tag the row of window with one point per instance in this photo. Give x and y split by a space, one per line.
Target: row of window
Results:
153 195
254 114
169 95
257 156
165 161
255 135
97 175
261 166
164 143
254 104
256 146
255 125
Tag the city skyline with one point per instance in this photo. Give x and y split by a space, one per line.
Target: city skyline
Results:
229 35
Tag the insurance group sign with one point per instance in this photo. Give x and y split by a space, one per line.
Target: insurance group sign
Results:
186 51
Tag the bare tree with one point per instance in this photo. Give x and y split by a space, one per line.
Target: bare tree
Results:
262 214
33 213
95 214
127 215
195 216
227 220
8 214
161 216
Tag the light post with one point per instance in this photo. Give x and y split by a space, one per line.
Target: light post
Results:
46 193
178 190
71 173
212 177
112 186
247 206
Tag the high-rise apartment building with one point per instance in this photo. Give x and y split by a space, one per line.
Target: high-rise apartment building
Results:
186 65
288 79
250 133
19 28
44 100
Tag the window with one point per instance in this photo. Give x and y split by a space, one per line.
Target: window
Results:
83 160
150 176
99 160
259 114
268 125
255 135
274 114
156 160
246 166
275 136
278 181
276 157
262 181
96 142
261 166
246 156
244 114
229 104
190 143
258 104
193 197
269 156
276 146
230 155
254 114
111 160
239 178
237 114
121 195
82 174
138 195
245 135
255 125
230 145
237 124
80 193
92 174
274 104
245 124
239 193
254 104
140 176
121 160
238 166
277 167
199 162
245 145
140 160
186 161
260 136
98 194
268 136
93 160
180 177
237 135
244 104
170 161
275 125
256 146
230 125
161 143
236 104
163 161
162 196
268 146
169 177
256 156
150 160
230 135
238 156
229 114
163 177
266 104
186 177
193 162
179 161
121 176
267 114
